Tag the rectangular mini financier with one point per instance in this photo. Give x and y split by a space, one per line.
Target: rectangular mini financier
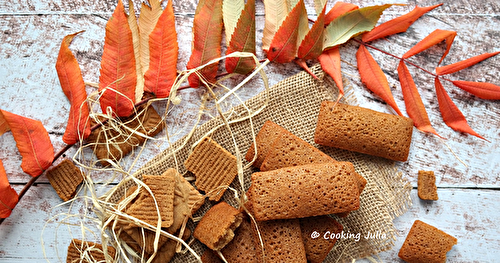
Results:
363 130
264 140
303 191
318 248
426 243
282 241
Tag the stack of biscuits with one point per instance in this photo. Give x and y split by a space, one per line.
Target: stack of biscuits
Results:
168 200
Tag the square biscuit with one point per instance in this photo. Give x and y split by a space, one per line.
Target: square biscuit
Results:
145 209
213 166
65 179
78 248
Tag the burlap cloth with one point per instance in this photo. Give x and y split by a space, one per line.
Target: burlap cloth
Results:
294 104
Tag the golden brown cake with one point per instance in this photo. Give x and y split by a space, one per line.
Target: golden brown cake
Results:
304 191
363 130
216 227
426 244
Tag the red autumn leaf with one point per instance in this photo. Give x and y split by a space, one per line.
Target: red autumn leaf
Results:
373 77
73 87
8 196
32 141
414 105
207 31
163 51
397 25
330 63
432 39
452 116
243 39
312 45
283 48
339 9
118 77
482 90
463 64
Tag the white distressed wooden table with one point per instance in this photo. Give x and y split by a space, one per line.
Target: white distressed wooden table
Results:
468 206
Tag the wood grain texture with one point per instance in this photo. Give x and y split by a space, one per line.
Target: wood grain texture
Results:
30 35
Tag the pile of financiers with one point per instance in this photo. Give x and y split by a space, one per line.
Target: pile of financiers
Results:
294 194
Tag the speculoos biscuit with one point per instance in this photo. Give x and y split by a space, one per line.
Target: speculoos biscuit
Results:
78 248
65 179
213 166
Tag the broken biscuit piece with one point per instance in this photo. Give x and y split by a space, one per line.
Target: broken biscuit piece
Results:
427 189
216 227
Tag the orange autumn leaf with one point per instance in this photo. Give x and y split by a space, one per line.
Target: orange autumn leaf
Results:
163 52
452 68
32 141
302 63
330 63
8 196
397 25
414 105
118 78
207 37
339 9
72 84
483 90
373 77
243 39
312 44
283 48
432 39
452 116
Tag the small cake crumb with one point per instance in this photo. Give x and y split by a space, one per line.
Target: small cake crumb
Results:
427 189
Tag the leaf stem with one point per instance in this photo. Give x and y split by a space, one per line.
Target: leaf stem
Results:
400 58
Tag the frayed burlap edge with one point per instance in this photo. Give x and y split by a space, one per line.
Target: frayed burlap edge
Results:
294 104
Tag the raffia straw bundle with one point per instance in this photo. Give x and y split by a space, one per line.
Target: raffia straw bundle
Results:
294 104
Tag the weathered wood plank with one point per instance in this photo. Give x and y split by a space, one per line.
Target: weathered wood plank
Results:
189 6
470 215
